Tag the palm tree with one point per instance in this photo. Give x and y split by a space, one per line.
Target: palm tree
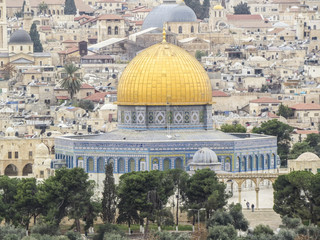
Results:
71 82
42 7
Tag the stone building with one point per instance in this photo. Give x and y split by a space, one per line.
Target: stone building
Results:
110 26
305 162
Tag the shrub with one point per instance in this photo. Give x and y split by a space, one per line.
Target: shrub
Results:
45 229
11 230
106 228
113 236
73 235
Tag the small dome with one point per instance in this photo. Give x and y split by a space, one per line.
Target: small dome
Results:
9 130
168 12
205 155
218 7
307 156
42 150
20 36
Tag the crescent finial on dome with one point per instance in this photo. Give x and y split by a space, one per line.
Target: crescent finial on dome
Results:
164 35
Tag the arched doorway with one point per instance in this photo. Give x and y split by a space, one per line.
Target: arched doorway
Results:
27 169
11 170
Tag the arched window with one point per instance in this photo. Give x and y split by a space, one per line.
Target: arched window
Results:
250 164
27 169
116 31
90 164
80 162
261 165
180 29
239 162
132 165
11 170
166 164
111 160
274 159
243 164
178 163
268 163
121 166
256 163
192 29
100 165
58 12
227 164
109 30
53 12
142 164
155 164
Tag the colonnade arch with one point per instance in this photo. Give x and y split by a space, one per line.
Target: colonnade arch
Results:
240 178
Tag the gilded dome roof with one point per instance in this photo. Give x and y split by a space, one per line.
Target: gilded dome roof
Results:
218 7
164 74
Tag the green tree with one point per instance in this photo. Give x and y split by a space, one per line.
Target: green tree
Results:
313 139
71 82
241 8
232 216
199 54
35 38
8 187
262 229
70 7
109 195
201 186
296 196
42 7
205 9
195 5
143 195
233 128
283 133
179 179
67 193
9 70
27 202
221 232
86 104
285 111
299 148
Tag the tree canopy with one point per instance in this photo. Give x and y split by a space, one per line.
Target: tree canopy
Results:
285 111
283 133
71 82
297 195
109 195
241 8
35 37
201 10
70 7
233 128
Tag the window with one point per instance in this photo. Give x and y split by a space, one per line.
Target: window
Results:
90 164
316 114
16 154
74 37
30 154
192 29
21 48
109 30
9 155
180 29
116 30
61 38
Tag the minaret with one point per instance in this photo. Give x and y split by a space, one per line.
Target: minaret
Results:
27 16
3 27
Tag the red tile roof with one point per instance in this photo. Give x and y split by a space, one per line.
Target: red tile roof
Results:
81 17
97 97
306 131
110 17
306 106
43 28
86 86
62 97
217 93
265 100
69 50
272 115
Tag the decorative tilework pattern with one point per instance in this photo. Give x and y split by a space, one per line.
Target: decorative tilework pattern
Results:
160 117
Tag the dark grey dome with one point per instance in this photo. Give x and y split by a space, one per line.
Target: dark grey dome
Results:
20 36
169 13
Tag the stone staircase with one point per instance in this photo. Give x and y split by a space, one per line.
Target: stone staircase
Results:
264 216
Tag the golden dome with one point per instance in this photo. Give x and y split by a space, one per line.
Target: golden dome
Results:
218 7
164 74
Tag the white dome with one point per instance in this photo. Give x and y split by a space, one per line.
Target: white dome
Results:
42 150
10 130
205 155
307 156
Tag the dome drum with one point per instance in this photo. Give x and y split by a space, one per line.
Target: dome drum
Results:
165 117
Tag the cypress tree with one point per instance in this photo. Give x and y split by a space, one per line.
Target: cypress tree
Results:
70 8
37 46
109 195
